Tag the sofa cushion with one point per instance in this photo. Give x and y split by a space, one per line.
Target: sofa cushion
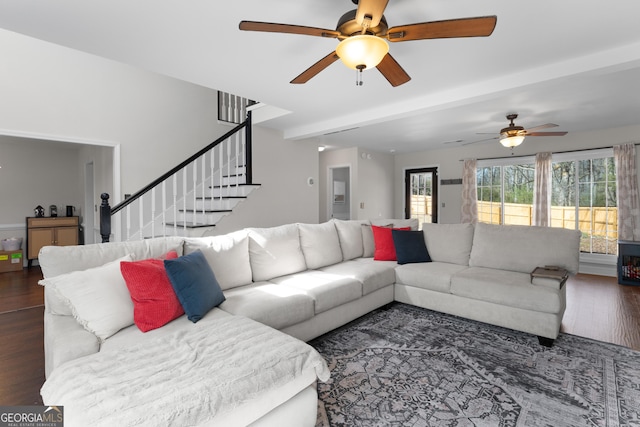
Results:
385 249
449 242
275 252
320 244
154 301
55 260
508 288
195 284
410 246
373 275
433 276
98 297
523 248
412 223
327 290
350 235
227 255
368 244
273 305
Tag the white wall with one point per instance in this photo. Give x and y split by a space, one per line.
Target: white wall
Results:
375 185
35 173
372 182
450 164
63 94
347 157
282 168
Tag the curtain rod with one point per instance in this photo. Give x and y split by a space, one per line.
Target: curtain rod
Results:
554 152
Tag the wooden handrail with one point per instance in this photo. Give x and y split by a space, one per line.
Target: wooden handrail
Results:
246 124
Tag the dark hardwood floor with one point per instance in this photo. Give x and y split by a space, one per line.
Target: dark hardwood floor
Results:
597 308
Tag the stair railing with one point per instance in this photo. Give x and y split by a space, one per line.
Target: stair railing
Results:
165 201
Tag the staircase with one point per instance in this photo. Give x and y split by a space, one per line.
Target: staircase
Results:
189 199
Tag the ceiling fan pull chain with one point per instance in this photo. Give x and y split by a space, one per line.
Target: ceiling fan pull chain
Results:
359 69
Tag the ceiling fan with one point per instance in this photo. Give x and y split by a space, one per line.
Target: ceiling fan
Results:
363 35
513 135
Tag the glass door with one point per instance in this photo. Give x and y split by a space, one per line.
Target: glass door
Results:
421 195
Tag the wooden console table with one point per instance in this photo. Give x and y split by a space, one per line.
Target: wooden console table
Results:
50 231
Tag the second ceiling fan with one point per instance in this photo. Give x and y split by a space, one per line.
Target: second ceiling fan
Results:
363 35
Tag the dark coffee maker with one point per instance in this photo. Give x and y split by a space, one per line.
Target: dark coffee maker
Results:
70 210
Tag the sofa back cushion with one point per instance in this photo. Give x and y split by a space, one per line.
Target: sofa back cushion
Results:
227 255
449 242
275 252
350 235
56 260
523 248
320 244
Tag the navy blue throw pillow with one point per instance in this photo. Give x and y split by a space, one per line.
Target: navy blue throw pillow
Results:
410 246
195 284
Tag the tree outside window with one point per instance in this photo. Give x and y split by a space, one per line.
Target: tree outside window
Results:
583 197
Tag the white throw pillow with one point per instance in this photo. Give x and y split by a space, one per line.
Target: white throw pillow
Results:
98 297
228 256
320 244
275 252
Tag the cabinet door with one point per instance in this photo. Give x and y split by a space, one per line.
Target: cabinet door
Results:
39 237
66 236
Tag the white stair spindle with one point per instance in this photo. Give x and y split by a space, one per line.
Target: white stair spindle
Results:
175 204
128 210
141 215
153 212
184 199
164 206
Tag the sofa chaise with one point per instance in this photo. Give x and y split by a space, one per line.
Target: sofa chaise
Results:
282 286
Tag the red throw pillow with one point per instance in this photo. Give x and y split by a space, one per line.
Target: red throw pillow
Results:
154 301
383 240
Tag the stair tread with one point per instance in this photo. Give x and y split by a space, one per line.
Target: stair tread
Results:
218 198
188 225
235 185
205 211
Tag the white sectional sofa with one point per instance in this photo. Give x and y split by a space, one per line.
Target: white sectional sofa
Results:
303 280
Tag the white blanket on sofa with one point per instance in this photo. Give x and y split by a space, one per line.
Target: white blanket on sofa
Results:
185 378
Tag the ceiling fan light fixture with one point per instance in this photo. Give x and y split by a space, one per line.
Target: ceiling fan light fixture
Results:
364 49
511 141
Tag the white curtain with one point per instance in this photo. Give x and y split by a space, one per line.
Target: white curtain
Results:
542 191
627 192
469 211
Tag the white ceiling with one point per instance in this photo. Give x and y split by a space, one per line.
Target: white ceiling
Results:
572 62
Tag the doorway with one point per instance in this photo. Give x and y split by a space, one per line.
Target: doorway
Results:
421 195
88 214
340 192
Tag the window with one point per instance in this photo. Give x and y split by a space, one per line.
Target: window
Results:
584 198
505 192
583 195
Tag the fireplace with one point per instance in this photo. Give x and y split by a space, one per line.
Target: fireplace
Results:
629 263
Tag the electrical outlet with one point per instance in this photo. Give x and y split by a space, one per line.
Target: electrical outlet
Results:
443 204
361 205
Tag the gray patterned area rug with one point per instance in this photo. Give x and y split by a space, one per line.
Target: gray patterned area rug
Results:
407 366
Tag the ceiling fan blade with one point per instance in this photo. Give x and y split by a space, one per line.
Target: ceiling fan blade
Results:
373 8
394 73
271 27
480 26
312 71
545 126
480 140
545 133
